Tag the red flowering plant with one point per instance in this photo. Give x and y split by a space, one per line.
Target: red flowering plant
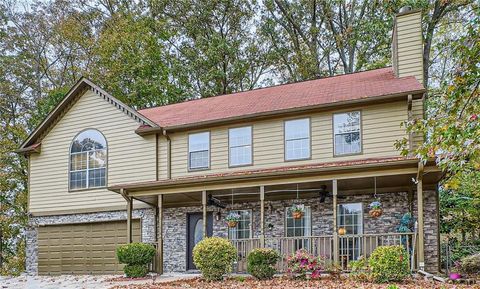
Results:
304 265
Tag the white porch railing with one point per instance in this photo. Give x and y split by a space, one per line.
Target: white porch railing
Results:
350 247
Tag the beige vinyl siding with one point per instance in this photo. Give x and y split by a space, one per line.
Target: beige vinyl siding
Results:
409 45
162 157
130 158
381 127
417 113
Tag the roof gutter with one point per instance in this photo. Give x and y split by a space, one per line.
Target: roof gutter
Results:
416 94
35 148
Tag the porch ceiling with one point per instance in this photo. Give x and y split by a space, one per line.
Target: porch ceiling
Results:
361 185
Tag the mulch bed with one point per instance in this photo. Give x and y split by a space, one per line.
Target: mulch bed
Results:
283 282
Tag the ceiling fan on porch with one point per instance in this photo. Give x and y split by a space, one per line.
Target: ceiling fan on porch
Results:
323 193
212 201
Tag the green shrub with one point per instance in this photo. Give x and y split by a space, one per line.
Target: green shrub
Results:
135 270
261 263
389 263
214 257
459 250
392 286
137 256
470 264
359 270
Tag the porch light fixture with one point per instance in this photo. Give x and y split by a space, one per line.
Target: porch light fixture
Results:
341 231
218 216
270 208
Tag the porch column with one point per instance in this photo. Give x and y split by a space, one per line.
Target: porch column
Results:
262 216
160 236
421 241
335 229
204 205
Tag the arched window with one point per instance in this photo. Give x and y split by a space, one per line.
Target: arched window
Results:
88 160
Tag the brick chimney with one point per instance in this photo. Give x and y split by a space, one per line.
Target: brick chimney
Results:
407 44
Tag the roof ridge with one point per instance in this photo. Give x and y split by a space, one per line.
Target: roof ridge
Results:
266 87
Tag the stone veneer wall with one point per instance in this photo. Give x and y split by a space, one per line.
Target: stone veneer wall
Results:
431 230
147 217
175 224
395 205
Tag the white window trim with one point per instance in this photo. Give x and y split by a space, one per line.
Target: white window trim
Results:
189 152
361 216
250 229
285 140
87 170
335 154
286 224
230 147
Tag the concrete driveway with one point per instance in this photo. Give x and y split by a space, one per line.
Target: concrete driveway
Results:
80 281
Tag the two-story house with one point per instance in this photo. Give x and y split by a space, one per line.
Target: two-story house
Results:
103 174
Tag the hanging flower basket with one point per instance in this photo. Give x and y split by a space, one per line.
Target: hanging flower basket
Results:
232 224
297 211
376 209
232 219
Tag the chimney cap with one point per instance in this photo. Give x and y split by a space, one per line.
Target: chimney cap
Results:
405 9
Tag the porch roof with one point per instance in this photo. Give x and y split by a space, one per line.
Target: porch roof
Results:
278 175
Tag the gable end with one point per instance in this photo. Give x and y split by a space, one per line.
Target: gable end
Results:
68 101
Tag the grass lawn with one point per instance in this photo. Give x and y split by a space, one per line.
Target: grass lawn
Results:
283 282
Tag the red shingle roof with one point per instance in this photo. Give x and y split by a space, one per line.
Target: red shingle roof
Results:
349 87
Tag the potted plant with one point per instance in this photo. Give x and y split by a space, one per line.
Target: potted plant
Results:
297 211
375 209
232 219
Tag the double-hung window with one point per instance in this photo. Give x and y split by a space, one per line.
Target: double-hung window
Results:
240 146
346 128
244 226
350 217
299 227
297 139
199 151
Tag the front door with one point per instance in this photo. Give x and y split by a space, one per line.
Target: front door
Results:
195 234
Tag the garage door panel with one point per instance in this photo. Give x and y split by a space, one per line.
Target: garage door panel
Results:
83 248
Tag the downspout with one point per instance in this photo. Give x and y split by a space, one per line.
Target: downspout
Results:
169 154
156 157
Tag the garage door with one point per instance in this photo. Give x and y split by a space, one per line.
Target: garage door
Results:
87 248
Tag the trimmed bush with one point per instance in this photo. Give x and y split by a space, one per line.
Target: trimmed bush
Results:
359 269
470 265
136 256
261 263
135 271
389 263
214 257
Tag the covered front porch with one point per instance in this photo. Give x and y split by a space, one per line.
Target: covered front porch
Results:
349 235
335 225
